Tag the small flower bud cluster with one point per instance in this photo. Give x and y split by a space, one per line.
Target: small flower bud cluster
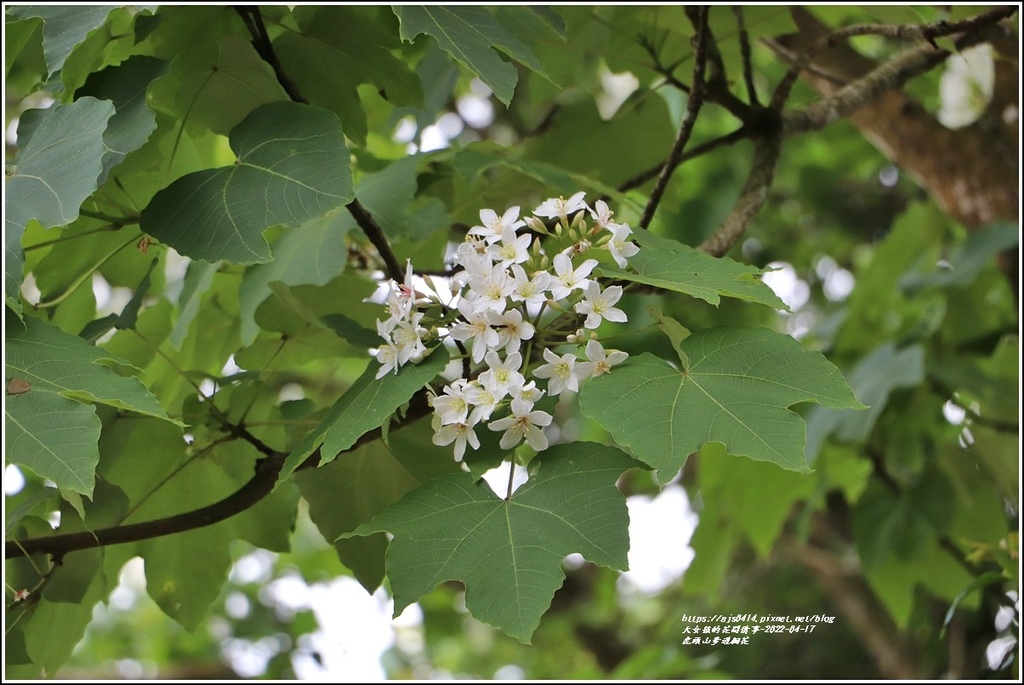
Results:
510 296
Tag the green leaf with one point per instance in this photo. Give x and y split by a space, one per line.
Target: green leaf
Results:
47 430
365 406
57 169
125 85
292 165
735 391
64 27
216 85
673 330
872 381
508 553
338 49
468 34
671 265
351 491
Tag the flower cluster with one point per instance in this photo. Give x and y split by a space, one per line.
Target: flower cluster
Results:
513 296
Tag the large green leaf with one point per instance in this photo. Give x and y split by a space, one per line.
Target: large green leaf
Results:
735 390
125 85
339 48
508 553
352 490
292 165
46 429
57 169
469 34
64 27
365 406
671 265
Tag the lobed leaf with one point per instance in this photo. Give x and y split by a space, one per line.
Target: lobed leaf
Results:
735 390
508 553
468 33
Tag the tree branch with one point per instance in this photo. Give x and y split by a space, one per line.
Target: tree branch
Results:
693 104
259 486
748 71
887 76
261 42
753 196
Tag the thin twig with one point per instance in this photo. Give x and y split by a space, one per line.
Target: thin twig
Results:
693 105
376 235
748 71
702 149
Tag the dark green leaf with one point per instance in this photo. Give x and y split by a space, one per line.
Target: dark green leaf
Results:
671 265
468 34
508 553
292 166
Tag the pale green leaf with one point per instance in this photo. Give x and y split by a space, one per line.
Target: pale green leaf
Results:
365 406
735 391
671 265
508 553
47 430
64 27
470 34
57 169
872 381
292 165
125 86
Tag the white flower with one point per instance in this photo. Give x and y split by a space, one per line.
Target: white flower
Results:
559 372
474 263
566 279
527 289
560 207
494 226
453 406
601 213
485 396
460 434
408 338
489 293
387 355
476 327
598 305
528 393
522 424
599 361
512 250
502 376
512 330
619 245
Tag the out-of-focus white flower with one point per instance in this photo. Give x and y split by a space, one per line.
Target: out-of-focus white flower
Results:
387 355
966 86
